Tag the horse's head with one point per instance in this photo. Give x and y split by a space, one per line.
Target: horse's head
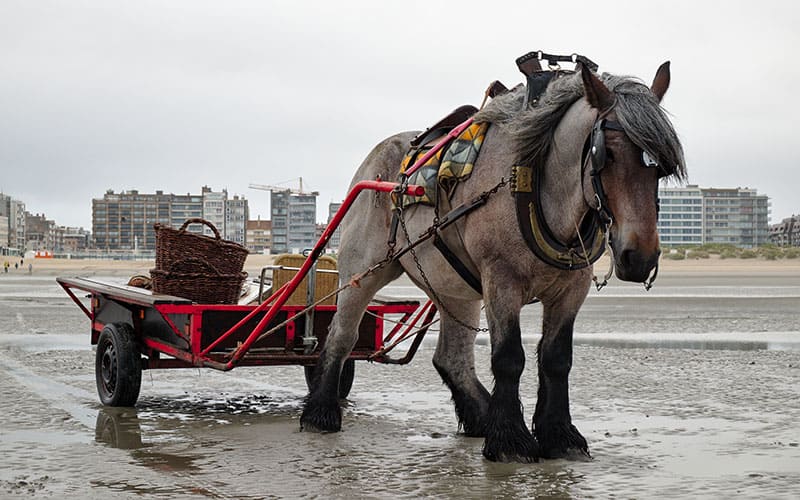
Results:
631 146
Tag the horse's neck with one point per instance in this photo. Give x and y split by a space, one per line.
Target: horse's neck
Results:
562 195
563 199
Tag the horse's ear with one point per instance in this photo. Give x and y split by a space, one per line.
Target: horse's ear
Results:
597 93
661 81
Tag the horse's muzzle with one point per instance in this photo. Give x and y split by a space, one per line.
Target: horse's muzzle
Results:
634 266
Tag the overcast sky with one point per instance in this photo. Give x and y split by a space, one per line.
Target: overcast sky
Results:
176 95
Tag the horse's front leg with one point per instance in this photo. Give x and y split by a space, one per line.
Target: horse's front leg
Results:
552 423
507 437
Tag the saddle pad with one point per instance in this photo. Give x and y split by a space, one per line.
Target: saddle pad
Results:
449 166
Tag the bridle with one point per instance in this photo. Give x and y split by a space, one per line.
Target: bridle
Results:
594 153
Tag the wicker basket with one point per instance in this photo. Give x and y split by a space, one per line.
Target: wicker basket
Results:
176 245
325 282
198 281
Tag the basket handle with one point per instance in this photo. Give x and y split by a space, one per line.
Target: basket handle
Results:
198 260
200 221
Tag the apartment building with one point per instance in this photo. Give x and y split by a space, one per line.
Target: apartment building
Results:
336 238
124 221
693 215
3 235
259 236
13 212
680 220
40 233
736 216
236 214
786 233
293 217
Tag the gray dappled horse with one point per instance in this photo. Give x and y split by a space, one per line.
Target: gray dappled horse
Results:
552 136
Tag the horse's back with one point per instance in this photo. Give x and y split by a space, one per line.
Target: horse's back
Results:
384 159
365 228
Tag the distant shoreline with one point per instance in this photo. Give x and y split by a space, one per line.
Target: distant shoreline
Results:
254 263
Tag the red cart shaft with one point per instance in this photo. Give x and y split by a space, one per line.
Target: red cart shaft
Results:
287 291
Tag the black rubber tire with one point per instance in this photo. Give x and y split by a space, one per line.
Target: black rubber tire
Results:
345 379
118 366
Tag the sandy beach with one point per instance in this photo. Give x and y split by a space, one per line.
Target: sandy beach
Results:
687 391
107 267
254 263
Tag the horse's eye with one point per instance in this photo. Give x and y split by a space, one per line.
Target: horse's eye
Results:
609 156
648 160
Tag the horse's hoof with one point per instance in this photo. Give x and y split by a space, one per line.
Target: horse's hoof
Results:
474 427
321 418
474 432
562 441
577 455
511 445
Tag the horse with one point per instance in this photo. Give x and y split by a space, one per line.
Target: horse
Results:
599 145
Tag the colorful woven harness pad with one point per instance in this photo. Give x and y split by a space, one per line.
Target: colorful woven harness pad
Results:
449 166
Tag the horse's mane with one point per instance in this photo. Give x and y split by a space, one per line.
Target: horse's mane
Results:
637 109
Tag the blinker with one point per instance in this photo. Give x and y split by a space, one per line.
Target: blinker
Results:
598 147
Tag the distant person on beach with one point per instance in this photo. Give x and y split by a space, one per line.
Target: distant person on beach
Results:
30 268
5 266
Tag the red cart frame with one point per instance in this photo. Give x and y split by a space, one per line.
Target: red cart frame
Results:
225 336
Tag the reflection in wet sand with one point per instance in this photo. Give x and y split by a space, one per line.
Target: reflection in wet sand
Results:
118 428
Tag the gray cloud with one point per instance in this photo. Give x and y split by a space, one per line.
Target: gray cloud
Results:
99 95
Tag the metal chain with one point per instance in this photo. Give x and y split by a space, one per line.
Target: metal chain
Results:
442 307
439 304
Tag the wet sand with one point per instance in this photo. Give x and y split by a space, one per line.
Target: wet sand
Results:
687 391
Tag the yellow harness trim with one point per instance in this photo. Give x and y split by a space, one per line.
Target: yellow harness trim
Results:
536 232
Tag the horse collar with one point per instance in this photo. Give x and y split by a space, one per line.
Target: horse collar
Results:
584 250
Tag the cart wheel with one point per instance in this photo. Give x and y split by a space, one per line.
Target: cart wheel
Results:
118 366
345 379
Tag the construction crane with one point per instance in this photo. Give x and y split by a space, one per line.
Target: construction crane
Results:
265 187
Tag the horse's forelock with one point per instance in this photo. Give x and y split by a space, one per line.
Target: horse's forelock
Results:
646 123
637 109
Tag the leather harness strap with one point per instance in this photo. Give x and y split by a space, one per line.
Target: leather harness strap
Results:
457 264
596 147
584 250
450 245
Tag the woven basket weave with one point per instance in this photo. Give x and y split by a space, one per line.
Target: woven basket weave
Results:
325 282
198 281
176 245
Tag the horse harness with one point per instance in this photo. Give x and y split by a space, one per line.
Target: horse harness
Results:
593 233
525 181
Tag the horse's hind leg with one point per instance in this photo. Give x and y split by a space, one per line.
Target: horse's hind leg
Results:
322 412
507 437
552 423
455 361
